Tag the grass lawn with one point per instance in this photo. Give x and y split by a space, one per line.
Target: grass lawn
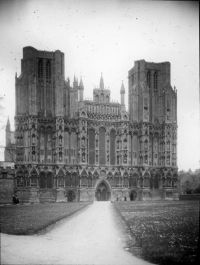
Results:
166 231
29 219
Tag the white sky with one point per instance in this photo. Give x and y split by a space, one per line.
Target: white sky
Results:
108 36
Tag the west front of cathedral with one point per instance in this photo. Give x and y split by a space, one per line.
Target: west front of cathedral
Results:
71 149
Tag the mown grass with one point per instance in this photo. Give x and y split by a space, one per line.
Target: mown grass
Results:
166 232
32 218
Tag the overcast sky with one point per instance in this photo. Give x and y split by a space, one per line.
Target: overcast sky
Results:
108 36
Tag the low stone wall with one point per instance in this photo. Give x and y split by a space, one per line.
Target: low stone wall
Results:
189 197
6 185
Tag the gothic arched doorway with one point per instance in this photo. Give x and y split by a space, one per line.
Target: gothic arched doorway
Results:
102 192
71 196
133 195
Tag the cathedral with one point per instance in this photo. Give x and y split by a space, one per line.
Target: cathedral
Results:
68 148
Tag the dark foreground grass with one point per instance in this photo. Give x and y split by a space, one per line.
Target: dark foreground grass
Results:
166 232
32 218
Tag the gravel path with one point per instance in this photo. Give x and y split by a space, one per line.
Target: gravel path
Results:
90 236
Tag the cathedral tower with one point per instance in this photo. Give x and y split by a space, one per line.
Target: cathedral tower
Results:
72 149
153 108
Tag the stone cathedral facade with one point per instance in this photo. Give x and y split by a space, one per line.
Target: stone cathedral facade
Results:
71 149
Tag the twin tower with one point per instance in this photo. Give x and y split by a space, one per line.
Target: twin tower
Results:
72 149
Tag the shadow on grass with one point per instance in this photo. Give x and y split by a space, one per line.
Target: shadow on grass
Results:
34 218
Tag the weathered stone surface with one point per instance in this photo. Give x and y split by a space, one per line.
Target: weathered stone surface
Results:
67 147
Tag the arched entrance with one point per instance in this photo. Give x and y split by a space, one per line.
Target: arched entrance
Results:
102 192
133 195
71 196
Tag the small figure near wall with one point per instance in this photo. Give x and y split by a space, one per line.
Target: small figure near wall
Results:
15 199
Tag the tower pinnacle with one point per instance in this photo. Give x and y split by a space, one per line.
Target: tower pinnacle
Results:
101 85
8 125
122 90
81 84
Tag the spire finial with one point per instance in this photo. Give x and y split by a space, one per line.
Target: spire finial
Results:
101 82
8 124
122 90
75 83
81 83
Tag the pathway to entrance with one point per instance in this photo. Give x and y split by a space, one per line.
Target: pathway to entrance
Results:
90 236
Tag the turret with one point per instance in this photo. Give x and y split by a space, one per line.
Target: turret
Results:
75 83
8 133
101 84
81 89
122 92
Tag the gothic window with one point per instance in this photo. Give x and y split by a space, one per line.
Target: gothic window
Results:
156 182
83 155
20 180
133 181
33 179
60 179
155 80
96 143
102 154
102 97
77 180
90 180
168 145
60 139
168 182
60 156
74 179
49 180
163 182
68 180
168 109
134 144
83 141
125 158
112 147
168 159
146 145
148 79
73 142
48 70
118 144
97 158
33 153
42 180
117 179
141 182
40 69
126 180
118 159
146 181
84 181
146 159
91 134
33 138
125 143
